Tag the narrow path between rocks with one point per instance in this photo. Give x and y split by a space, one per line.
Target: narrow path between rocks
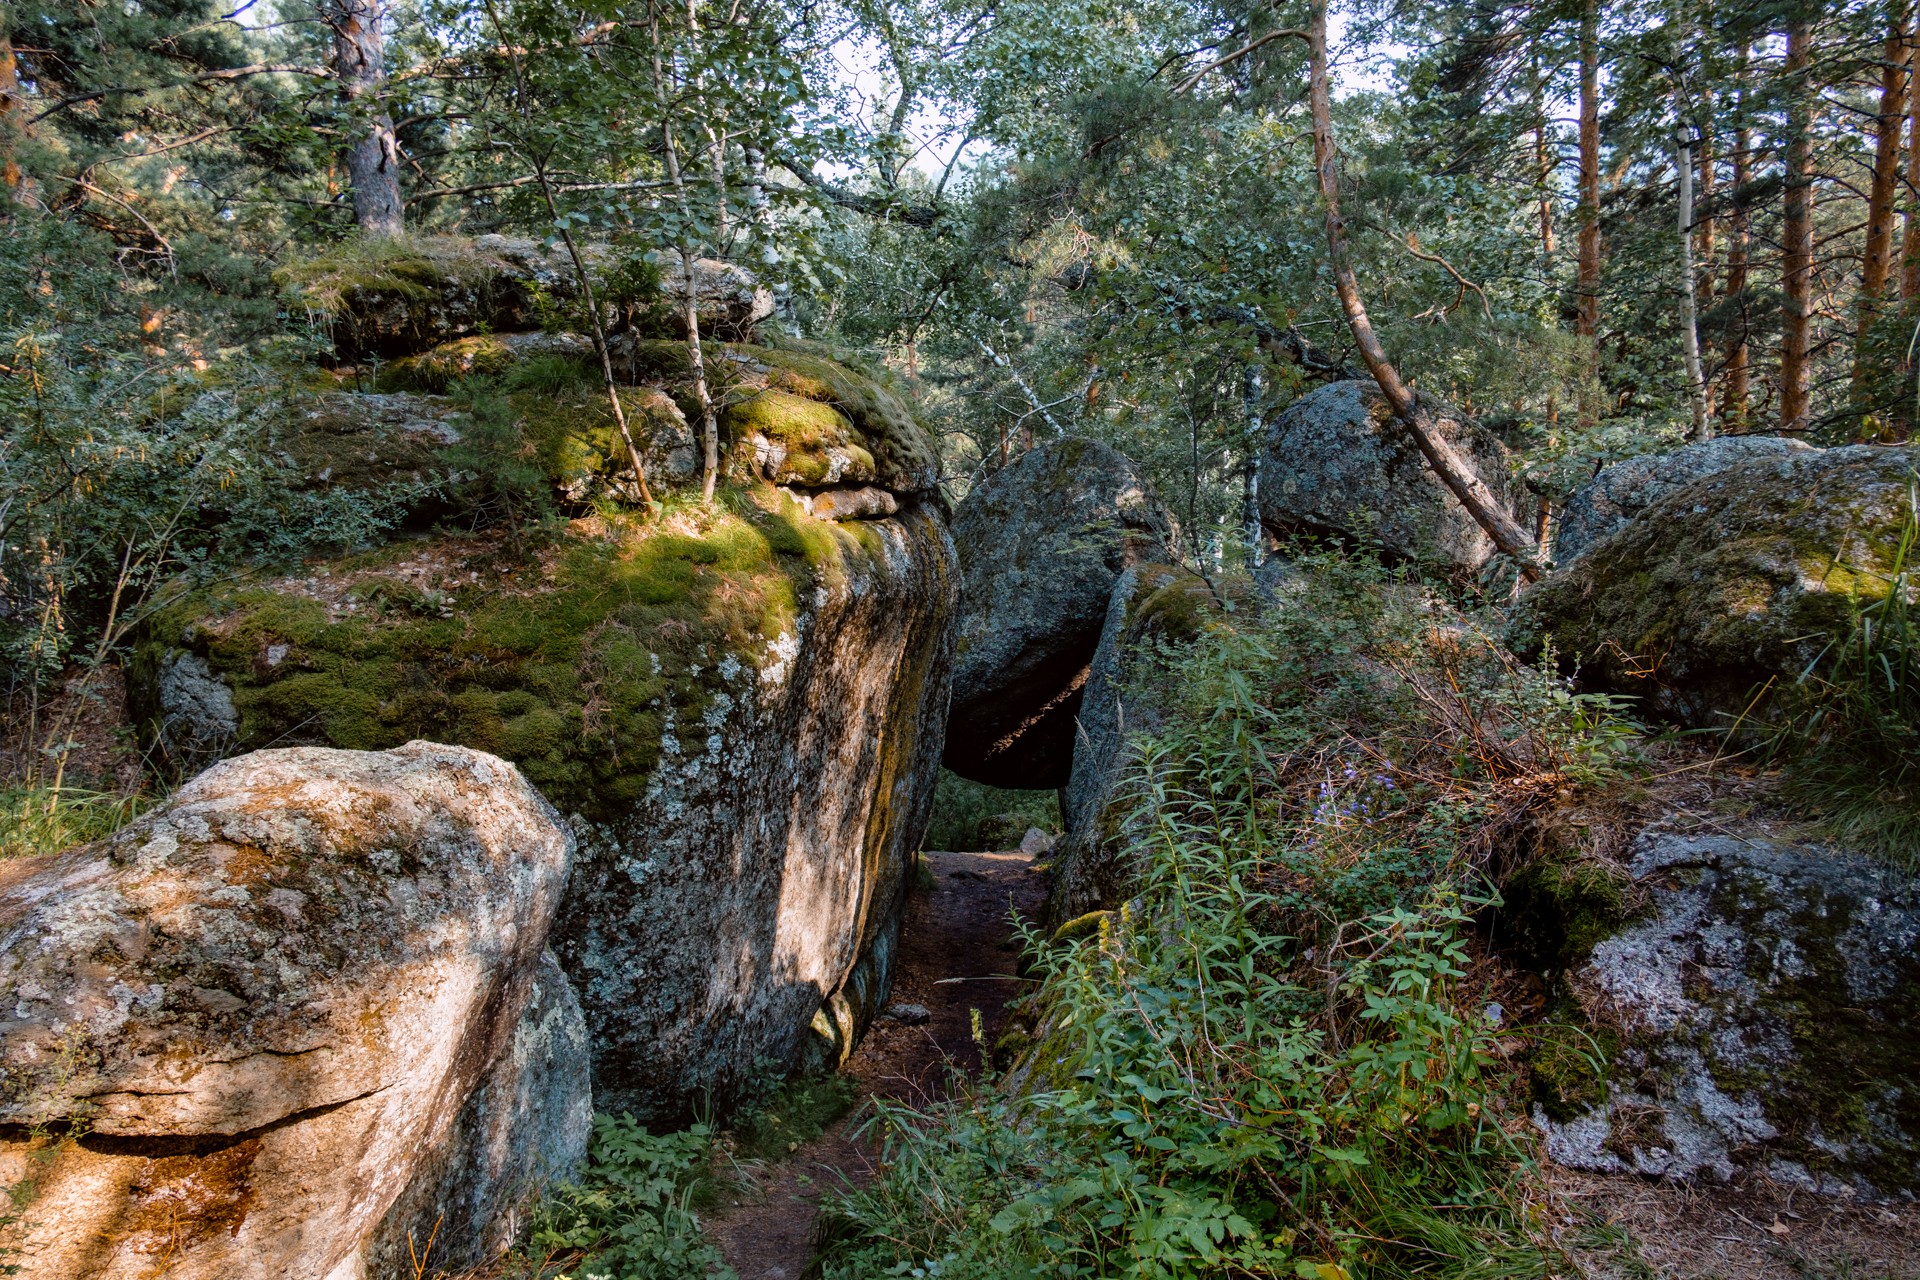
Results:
958 953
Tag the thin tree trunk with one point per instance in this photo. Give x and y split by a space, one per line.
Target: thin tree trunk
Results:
1454 471
1740 239
1543 166
1689 319
373 158
1253 399
1796 265
709 420
596 324
1587 272
1910 238
1705 231
1877 268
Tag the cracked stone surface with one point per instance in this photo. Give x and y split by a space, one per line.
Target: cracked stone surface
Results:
265 1029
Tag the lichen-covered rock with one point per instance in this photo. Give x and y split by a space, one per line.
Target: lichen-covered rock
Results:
741 710
1765 1016
195 721
1624 489
400 297
245 1028
1740 578
1150 602
525 1128
1335 463
1041 544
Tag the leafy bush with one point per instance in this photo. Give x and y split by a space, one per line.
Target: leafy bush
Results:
631 1215
1263 1063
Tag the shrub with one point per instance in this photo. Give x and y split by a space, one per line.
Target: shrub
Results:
631 1215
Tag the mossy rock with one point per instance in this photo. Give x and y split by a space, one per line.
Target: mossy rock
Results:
1741 579
401 296
492 355
569 664
1760 1015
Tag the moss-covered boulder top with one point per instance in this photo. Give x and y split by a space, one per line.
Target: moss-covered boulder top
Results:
1747 576
574 662
389 298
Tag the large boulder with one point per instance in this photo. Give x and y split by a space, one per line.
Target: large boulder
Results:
1336 464
1622 490
740 709
1042 544
1762 1016
265 1029
388 299
1153 609
1745 577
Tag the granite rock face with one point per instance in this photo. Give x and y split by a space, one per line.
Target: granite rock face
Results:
1744 577
1765 1016
281 1006
1149 602
1624 489
409 296
749 901
1335 464
1041 545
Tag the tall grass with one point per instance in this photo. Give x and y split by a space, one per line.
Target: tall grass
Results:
42 819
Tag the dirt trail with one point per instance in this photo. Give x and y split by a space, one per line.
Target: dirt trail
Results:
960 930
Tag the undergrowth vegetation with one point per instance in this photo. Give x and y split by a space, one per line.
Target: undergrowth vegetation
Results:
1270 1060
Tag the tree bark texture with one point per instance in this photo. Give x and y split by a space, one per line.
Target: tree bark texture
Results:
1796 261
1689 318
1454 471
1876 268
373 157
1739 373
1587 271
13 105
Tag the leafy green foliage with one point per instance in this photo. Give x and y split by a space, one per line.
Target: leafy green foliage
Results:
961 807
631 1215
776 1116
1263 1062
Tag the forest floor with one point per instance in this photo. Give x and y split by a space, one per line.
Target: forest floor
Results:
958 954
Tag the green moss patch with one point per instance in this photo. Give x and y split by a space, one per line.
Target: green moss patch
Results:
573 664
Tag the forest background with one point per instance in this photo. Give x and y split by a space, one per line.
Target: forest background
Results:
1600 228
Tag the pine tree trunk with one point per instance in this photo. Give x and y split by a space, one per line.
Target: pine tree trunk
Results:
1740 239
1689 320
1796 260
1910 238
1454 471
1587 273
1877 267
13 105
373 158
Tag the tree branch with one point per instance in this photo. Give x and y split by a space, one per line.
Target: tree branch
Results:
1235 56
230 73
